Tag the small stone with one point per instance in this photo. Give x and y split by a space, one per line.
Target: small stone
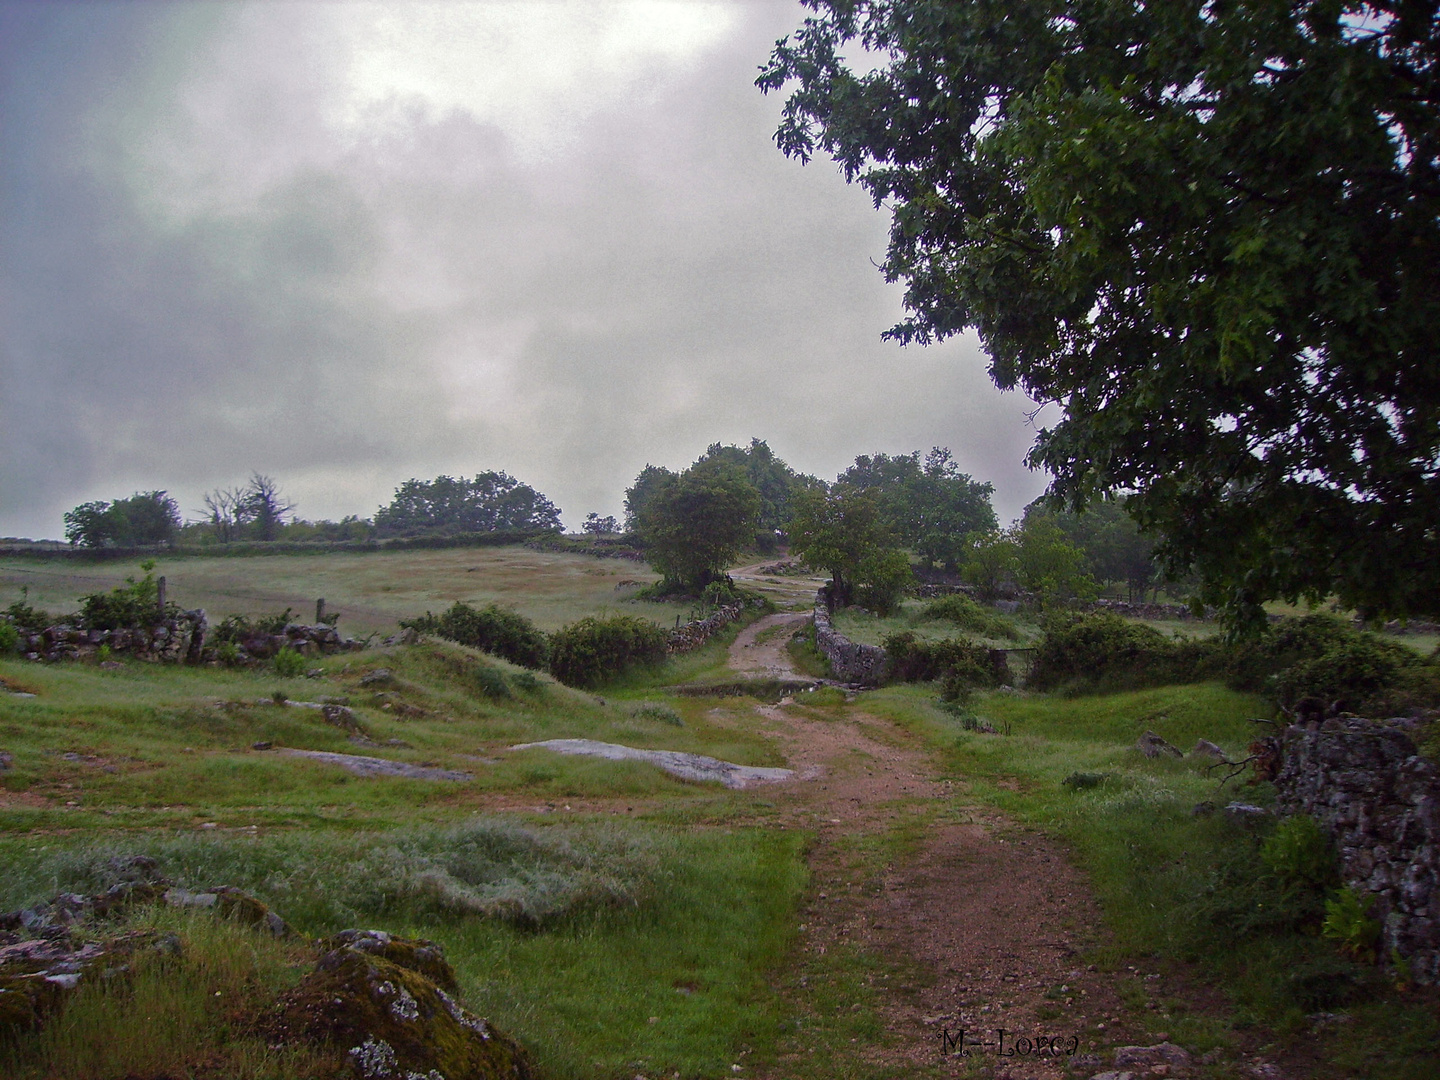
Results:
1206 748
263 744
1152 746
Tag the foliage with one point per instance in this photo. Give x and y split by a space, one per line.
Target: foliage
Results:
597 650
256 512
1048 565
1348 922
596 525
136 603
991 562
141 520
9 638
842 531
23 615
1321 657
1299 851
776 482
881 578
1114 546
931 507
491 629
967 664
1210 233
491 502
289 664
1100 650
965 613
694 524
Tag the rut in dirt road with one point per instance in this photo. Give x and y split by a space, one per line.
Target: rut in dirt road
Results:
989 919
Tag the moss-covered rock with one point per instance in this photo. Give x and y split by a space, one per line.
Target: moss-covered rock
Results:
390 1019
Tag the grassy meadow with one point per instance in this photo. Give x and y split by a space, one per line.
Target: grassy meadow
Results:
619 921
369 590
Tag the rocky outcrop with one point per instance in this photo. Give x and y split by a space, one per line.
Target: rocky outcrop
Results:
387 1004
1366 783
851 662
380 1007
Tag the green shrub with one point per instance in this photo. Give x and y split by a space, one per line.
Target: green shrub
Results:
655 710
1348 922
26 617
1299 852
1102 651
490 681
9 638
136 603
1324 658
961 662
289 664
595 650
491 629
965 613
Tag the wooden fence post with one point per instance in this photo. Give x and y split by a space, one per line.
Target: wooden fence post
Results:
319 611
160 598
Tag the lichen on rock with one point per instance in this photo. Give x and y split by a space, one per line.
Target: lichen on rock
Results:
382 1002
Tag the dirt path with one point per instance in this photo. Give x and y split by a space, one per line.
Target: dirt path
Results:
980 924
759 649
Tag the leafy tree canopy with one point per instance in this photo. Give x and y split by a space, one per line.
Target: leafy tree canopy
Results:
931 506
143 519
1210 233
1116 549
492 501
695 523
776 482
843 531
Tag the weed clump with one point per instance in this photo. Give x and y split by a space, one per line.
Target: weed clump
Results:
595 651
491 629
966 614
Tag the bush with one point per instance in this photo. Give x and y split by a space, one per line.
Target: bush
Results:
289 664
965 613
9 638
26 617
491 629
1321 657
136 603
959 663
594 650
1102 651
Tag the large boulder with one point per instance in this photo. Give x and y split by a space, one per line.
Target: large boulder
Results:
386 1004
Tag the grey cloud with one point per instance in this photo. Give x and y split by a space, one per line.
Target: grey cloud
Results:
431 301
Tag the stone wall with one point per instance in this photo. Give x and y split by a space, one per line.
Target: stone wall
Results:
850 661
1366 783
690 636
176 640
186 638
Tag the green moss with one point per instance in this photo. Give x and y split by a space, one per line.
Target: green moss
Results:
388 1019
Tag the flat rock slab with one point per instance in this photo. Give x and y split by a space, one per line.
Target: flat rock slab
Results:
685 766
374 766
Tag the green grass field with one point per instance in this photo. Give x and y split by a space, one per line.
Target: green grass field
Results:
370 590
619 921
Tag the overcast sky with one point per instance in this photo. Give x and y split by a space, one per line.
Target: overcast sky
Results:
345 244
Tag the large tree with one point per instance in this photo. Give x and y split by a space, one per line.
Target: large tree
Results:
931 506
491 502
146 518
1209 233
843 530
695 523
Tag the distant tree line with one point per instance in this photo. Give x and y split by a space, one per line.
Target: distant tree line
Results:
864 529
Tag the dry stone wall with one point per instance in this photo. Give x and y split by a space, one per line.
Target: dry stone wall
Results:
184 639
1366 783
851 662
691 635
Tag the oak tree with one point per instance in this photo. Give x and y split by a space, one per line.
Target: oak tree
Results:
1208 232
